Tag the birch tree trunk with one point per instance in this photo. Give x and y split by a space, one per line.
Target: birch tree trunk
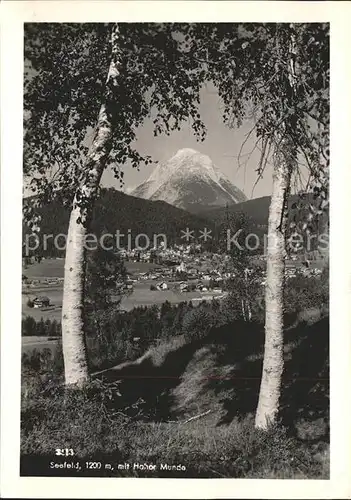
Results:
268 403
284 162
73 336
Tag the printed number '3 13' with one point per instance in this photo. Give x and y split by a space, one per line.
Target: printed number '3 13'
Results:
67 452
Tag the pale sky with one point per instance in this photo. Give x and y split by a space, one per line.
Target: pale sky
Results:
222 145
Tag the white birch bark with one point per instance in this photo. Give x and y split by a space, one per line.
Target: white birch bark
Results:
73 336
243 309
249 310
273 362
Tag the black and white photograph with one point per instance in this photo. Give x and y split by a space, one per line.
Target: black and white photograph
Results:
175 313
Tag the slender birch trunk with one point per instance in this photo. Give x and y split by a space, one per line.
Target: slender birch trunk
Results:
249 313
73 336
243 309
268 403
273 362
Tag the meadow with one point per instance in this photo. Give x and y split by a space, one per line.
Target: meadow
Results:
54 268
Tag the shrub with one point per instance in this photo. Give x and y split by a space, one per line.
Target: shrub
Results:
47 363
303 292
198 322
29 326
82 419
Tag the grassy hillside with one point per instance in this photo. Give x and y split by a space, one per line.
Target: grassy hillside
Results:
190 402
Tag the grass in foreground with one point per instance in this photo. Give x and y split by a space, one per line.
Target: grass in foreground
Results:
97 429
145 419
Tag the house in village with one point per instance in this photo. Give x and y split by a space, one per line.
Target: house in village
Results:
181 268
183 287
201 287
129 285
41 302
162 286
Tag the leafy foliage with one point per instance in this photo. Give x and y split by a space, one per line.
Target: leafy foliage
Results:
277 75
66 67
256 76
105 279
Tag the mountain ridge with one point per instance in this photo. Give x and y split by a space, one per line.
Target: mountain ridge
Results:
189 180
115 210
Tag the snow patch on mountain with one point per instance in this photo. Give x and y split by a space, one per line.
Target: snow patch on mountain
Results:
188 179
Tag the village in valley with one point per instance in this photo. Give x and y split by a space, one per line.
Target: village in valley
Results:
180 272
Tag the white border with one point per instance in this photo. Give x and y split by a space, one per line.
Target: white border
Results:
13 14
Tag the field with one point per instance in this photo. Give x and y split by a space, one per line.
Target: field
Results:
54 268
48 268
29 344
141 296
